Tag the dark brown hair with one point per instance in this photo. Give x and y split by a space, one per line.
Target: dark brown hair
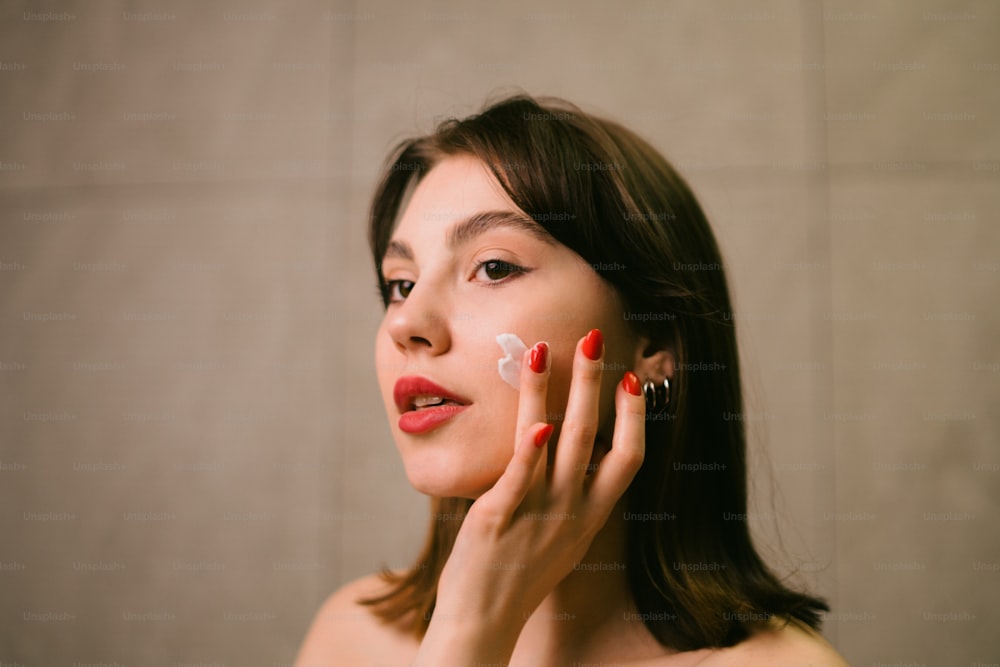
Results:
612 198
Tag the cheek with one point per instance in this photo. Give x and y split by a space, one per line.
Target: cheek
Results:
561 380
387 365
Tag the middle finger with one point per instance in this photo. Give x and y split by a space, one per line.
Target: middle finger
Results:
576 438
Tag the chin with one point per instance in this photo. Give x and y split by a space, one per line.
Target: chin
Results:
448 477
446 464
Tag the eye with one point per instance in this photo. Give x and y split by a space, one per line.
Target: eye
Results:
495 270
398 290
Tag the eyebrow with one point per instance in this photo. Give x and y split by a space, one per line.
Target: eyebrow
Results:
475 225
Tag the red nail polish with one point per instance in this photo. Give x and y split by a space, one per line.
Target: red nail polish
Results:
538 358
631 383
593 344
543 436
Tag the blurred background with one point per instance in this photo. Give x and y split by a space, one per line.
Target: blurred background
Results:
193 450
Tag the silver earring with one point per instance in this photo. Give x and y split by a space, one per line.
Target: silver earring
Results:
657 395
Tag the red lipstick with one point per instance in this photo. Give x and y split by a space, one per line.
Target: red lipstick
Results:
424 405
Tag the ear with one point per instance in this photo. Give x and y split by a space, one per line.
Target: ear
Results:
653 361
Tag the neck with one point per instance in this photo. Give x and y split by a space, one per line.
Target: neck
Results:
590 615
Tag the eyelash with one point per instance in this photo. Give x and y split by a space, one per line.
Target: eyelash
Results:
513 269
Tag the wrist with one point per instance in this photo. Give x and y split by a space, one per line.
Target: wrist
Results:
463 638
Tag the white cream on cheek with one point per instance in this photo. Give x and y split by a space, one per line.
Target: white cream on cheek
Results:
509 365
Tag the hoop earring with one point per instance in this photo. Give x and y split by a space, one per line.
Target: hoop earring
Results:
657 396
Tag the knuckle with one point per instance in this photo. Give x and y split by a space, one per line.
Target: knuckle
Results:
533 388
588 370
584 432
524 462
633 410
487 516
632 458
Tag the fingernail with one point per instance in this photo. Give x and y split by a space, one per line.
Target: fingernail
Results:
538 358
593 345
631 383
543 436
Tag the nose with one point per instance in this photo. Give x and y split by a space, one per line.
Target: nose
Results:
420 322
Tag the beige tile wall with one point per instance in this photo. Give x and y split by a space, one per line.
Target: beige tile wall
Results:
193 449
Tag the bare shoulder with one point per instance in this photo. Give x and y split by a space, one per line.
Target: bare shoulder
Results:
790 645
345 632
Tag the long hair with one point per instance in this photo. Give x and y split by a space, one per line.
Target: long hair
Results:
609 196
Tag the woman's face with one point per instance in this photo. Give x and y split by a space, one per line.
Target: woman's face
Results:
459 286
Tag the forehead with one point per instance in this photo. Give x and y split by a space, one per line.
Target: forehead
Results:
454 189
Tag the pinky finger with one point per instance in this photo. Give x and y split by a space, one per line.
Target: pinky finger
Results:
515 482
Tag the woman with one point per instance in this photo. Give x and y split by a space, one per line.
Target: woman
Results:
584 489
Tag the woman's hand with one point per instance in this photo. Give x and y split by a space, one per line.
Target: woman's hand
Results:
524 535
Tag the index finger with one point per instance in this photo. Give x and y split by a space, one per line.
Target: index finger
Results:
531 404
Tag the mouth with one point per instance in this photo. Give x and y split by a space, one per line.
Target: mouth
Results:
422 404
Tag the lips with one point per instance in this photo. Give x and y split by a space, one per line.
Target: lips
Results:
436 404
